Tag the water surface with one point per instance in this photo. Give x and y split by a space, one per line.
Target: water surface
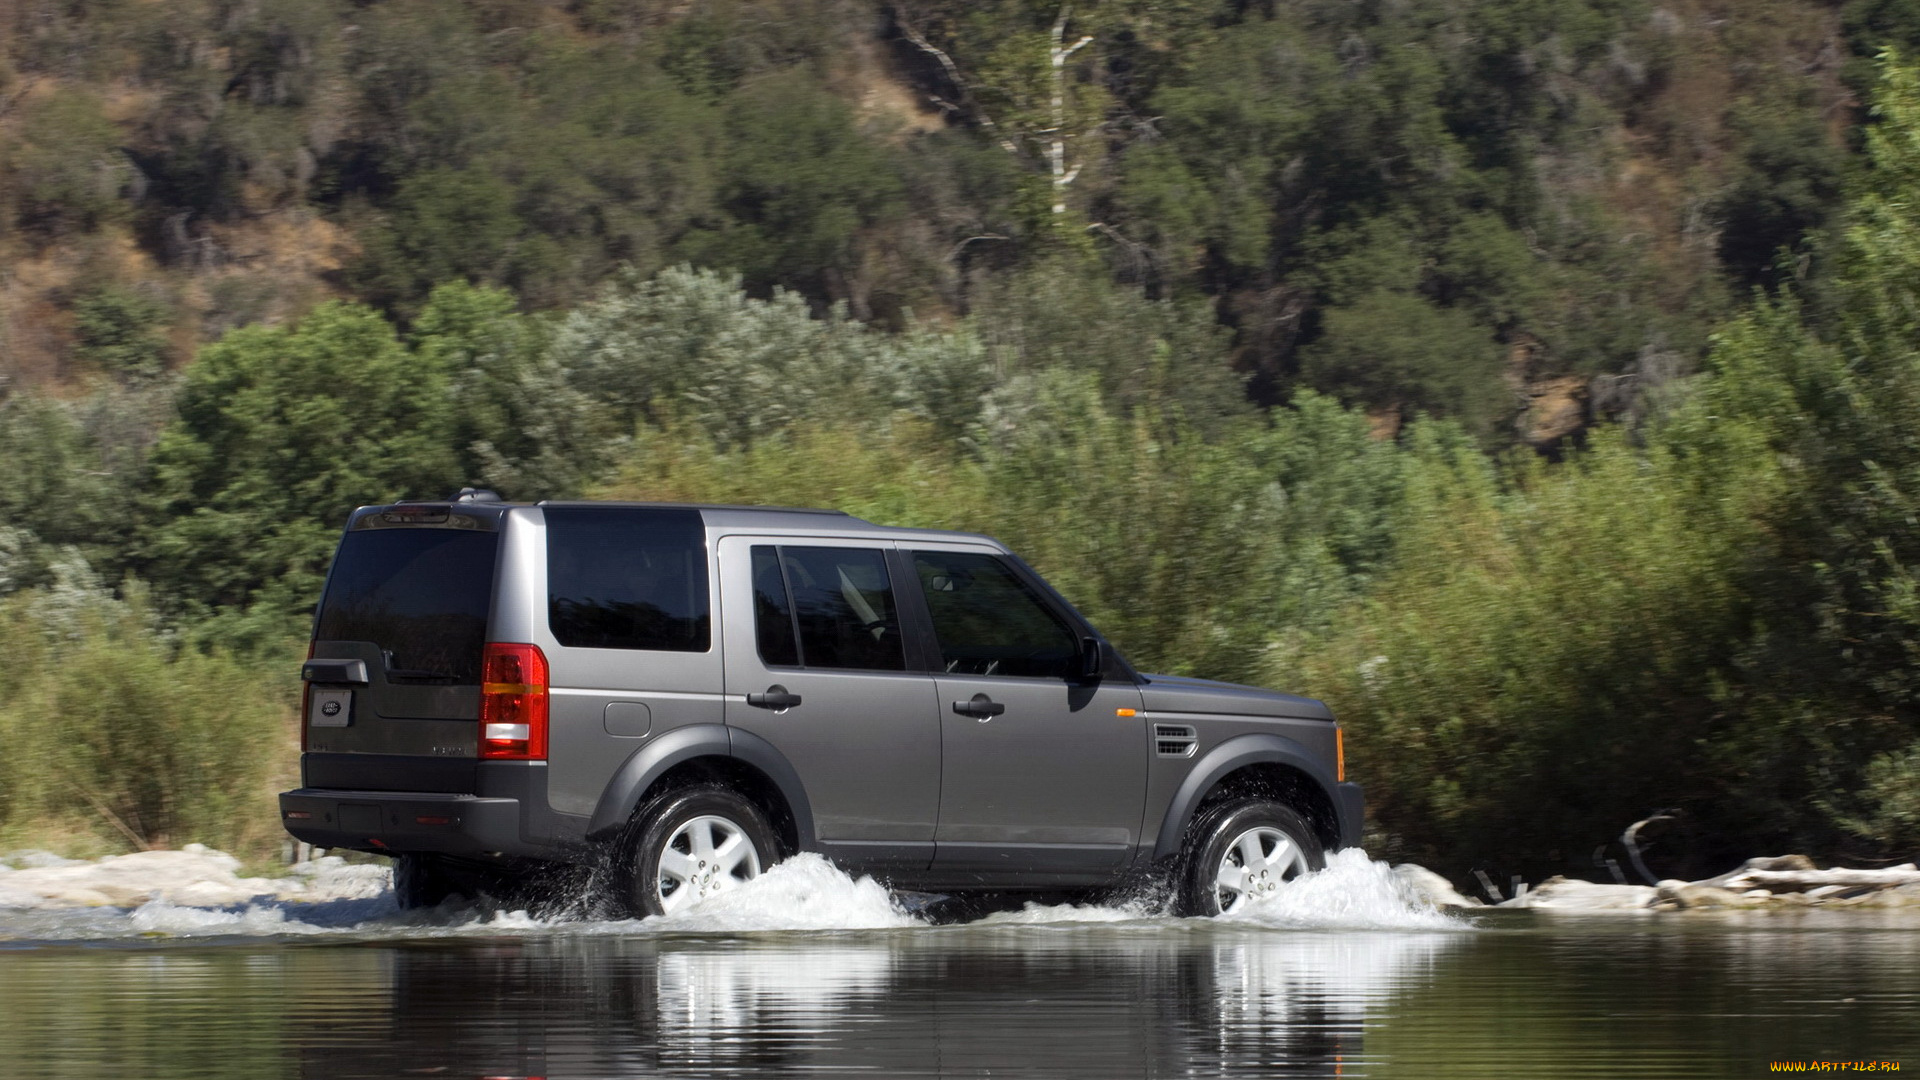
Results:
816 975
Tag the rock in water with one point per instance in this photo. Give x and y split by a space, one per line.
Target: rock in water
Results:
1431 887
1567 894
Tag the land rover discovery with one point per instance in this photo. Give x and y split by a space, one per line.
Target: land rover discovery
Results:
689 694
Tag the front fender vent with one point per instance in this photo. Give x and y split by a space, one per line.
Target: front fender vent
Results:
1173 740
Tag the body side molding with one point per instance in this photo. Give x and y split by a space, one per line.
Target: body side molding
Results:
1234 753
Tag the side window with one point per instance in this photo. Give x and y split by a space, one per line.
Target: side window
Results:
772 612
989 622
826 608
627 579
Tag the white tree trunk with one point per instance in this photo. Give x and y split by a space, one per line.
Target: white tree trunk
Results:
1058 55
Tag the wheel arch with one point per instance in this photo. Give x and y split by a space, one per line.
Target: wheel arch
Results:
1255 765
708 753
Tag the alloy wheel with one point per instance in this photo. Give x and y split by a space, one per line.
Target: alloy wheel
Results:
704 857
1255 865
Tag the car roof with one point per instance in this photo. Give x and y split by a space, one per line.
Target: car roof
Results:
722 517
787 520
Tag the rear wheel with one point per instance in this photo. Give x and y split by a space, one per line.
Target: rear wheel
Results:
1244 851
420 880
694 843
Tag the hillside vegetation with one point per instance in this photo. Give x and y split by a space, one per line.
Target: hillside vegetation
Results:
1536 381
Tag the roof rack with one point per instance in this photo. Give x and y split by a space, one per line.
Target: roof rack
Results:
695 506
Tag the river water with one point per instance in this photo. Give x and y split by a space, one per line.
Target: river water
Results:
809 974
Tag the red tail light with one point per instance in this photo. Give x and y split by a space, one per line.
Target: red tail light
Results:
513 702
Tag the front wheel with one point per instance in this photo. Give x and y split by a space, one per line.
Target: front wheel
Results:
695 843
1243 851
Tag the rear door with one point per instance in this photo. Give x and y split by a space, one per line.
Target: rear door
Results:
818 665
1054 780
408 598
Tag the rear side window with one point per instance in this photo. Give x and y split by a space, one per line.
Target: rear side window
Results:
627 579
421 595
772 614
823 607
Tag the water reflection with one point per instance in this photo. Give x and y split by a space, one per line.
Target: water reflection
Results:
1094 1003
1520 996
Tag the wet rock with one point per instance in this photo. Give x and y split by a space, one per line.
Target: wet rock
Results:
1685 895
1825 882
35 860
1568 894
1770 864
1431 887
76 897
194 876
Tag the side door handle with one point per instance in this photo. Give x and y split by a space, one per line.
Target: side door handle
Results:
776 698
980 707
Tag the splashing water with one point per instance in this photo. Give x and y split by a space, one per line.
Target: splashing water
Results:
1352 893
805 893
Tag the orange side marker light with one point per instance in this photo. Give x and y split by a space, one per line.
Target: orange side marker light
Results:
1339 755
1125 712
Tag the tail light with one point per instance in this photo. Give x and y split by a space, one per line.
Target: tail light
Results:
306 705
513 702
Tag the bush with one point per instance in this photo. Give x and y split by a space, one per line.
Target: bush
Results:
123 332
113 726
1545 663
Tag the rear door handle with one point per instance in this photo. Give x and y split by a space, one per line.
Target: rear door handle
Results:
980 707
776 698
349 672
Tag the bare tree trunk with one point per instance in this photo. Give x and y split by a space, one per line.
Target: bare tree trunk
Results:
1058 54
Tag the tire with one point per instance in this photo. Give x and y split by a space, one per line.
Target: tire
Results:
420 880
692 843
1226 838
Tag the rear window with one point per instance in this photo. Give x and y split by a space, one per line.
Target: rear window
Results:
627 579
421 595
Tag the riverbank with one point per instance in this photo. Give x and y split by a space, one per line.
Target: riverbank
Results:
194 876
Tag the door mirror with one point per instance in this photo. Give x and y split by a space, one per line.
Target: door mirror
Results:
1093 658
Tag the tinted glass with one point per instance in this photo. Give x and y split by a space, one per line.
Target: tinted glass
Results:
772 613
989 622
843 605
627 579
421 595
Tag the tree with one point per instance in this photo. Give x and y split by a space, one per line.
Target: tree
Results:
282 432
1397 351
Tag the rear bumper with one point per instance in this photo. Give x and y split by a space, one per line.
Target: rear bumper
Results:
403 821
508 816
1350 805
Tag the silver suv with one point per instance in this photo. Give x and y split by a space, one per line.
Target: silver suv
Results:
690 694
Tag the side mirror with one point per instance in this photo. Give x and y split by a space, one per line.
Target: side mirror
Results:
1093 658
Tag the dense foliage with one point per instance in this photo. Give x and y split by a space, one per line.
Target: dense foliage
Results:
1229 321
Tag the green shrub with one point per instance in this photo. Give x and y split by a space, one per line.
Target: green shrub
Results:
123 332
113 727
1545 662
